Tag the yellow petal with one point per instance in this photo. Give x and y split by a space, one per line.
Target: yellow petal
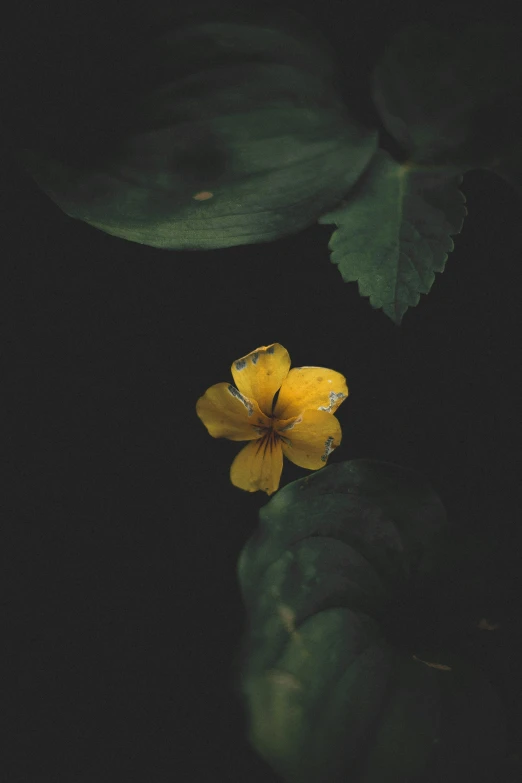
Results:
258 465
314 388
259 374
226 413
309 438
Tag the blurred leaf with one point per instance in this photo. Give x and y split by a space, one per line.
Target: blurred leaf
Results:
452 100
328 697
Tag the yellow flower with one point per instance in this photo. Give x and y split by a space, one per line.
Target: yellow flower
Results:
279 410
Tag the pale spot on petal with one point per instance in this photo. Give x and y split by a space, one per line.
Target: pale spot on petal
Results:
328 448
333 397
235 393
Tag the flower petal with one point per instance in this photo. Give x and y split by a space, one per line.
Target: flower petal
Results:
309 438
226 413
258 465
314 388
259 374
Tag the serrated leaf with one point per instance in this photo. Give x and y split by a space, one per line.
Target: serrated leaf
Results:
394 233
452 99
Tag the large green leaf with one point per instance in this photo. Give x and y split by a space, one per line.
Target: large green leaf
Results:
231 131
329 695
452 100
393 233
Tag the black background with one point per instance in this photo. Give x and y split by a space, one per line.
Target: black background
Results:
120 528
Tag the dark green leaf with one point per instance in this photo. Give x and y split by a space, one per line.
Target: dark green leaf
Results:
230 132
328 695
394 232
452 100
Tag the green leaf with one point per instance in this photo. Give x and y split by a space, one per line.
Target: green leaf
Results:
228 130
394 232
329 697
452 100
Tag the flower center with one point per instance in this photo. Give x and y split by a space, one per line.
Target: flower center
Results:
268 439
270 435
